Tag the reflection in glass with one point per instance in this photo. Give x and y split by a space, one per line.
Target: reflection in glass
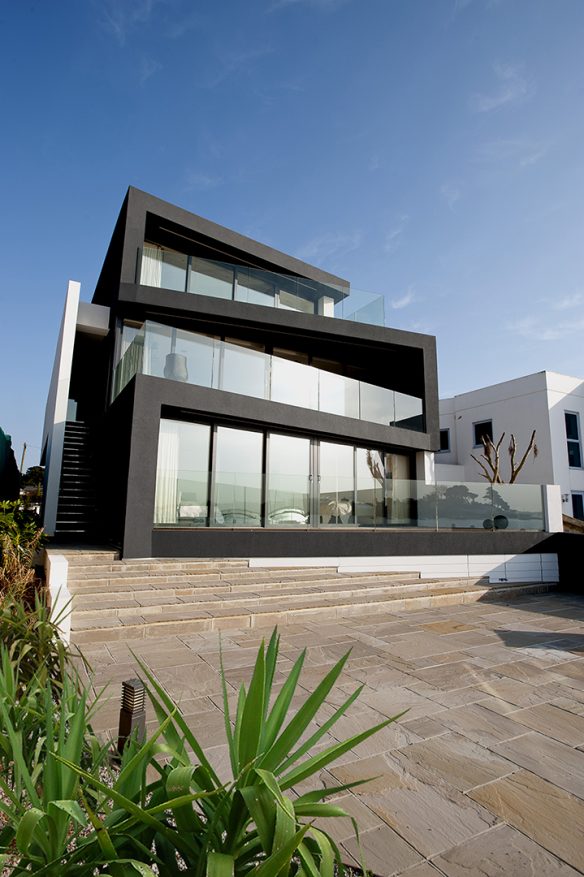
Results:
337 484
291 301
409 412
244 371
398 503
294 383
174 270
254 288
182 475
211 278
288 496
370 471
377 404
238 478
338 395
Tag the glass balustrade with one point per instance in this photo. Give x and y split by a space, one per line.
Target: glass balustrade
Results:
248 497
164 268
176 354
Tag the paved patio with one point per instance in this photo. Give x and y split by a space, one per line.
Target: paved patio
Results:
485 773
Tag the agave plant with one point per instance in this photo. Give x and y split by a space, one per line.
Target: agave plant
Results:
187 821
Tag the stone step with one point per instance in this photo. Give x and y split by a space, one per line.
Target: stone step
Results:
194 619
79 570
125 575
225 583
152 602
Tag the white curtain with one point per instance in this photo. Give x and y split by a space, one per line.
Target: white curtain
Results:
165 504
151 271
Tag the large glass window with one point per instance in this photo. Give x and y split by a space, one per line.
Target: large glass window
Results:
174 270
182 474
238 478
370 498
483 430
338 395
573 439
253 288
288 481
211 278
337 484
293 382
244 370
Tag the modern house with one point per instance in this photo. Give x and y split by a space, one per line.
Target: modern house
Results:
219 398
548 402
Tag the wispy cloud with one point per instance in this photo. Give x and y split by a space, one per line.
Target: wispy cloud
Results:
235 62
323 5
451 193
197 181
536 329
178 27
393 238
148 67
568 302
119 17
330 244
522 152
406 299
512 86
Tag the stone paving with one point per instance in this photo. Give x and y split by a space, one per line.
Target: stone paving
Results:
484 775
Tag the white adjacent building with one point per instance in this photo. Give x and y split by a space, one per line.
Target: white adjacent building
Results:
548 402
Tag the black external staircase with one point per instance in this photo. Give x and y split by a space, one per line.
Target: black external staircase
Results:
76 512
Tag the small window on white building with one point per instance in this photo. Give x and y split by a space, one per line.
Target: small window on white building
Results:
578 505
444 439
573 439
482 429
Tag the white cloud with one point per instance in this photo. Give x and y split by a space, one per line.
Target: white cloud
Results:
325 246
521 151
568 302
513 86
393 237
536 330
118 17
451 193
148 67
201 182
406 299
323 5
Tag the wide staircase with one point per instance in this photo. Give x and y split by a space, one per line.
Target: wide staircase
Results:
126 600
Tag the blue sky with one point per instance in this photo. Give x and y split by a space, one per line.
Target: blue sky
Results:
429 150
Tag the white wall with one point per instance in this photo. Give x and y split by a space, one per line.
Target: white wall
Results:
565 394
518 407
56 410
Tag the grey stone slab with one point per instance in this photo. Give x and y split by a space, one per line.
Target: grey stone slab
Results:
384 851
553 761
561 724
431 819
501 851
453 760
481 724
539 809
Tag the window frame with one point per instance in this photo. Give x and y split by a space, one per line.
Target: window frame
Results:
576 441
474 431
447 449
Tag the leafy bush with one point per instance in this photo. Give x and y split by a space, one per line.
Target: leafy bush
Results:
68 814
31 636
20 540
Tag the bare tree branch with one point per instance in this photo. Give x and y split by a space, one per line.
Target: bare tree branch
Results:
516 469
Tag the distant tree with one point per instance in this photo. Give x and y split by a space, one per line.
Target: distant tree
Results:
490 459
33 476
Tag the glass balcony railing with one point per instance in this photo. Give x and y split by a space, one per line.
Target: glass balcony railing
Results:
191 498
169 269
176 354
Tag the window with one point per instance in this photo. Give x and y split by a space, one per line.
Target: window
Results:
444 439
482 429
578 505
573 440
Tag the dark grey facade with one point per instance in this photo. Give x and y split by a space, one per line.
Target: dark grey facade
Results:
171 360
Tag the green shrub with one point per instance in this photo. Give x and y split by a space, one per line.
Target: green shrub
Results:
20 540
32 638
66 814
